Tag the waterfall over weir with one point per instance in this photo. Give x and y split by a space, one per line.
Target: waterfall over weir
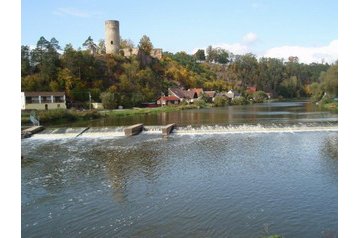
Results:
111 132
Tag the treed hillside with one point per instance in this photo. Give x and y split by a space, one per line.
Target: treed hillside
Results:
141 78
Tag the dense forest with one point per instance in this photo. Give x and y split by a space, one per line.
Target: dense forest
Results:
140 78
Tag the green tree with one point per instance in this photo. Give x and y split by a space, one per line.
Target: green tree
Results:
33 82
46 58
217 55
220 101
37 54
109 100
54 44
271 74
247 70
145 45
101 47
90 45
289 88
330 81
25 60
200 55
70 82
127 43
210 54
317 91
221 56
259 96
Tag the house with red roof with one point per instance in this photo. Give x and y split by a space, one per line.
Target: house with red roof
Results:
168 100
189 95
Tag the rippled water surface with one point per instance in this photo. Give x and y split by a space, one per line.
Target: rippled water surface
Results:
250 184
274 112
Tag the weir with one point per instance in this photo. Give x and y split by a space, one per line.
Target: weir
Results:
82 131
31 131
133 130
166 130
112 132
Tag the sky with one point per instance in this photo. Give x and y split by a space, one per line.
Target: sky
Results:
281 28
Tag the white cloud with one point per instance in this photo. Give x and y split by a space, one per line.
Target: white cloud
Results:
328 53
249 38
75 12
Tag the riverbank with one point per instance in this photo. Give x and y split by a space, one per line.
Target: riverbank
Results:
123 116
68 115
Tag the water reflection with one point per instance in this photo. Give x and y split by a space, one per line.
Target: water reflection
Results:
330 147
277 112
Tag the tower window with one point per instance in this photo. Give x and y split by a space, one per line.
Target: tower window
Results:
111 42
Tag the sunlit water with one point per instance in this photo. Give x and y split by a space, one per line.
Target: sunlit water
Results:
204 181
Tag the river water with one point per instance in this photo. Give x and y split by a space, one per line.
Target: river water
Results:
249 171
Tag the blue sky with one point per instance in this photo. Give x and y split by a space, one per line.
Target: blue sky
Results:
277 28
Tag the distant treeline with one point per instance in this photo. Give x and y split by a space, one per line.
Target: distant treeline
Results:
142 78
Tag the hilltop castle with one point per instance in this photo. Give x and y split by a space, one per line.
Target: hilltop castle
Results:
112 41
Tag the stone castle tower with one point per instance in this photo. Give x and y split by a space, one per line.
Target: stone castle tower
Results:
112 37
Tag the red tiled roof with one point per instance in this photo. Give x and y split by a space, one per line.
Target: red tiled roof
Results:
178 92
251 89
181 93
169 98
197 90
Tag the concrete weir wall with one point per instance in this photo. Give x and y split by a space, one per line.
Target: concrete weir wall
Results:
133 130
30 131
166 130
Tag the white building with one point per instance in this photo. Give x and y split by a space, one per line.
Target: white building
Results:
43 100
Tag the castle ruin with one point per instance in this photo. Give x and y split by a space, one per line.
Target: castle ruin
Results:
112 41
112 37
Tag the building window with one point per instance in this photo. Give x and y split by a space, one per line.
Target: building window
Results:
45 99
28 100
35 99
58 99
111 42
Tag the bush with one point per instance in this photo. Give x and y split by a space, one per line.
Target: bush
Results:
109 100
221 101
66 115
317 92
54 115
259 96
200 103
240 101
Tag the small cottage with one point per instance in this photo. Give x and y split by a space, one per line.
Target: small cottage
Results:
43 100
168 100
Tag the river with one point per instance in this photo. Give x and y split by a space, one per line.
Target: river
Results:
241 171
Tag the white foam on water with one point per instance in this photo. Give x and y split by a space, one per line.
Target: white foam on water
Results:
250 129
105 132
152 130
115 132
54 136
58 133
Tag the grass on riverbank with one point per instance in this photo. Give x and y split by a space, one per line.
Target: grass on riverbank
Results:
64 116
60 115
134 111
332 106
